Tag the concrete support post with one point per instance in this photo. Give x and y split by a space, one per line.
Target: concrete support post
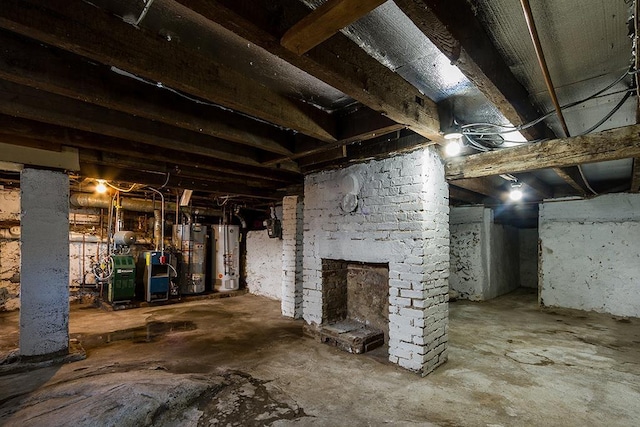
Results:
292 256
44 262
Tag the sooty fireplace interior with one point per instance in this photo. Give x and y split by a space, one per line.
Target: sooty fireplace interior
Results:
355 305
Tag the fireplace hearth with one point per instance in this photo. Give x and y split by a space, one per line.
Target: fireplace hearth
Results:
355 308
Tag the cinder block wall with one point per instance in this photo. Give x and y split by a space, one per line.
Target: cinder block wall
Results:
402 218
589 256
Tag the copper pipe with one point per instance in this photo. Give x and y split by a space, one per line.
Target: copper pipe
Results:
533 32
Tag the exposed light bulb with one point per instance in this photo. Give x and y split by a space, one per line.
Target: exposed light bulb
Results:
516 193
453 148
101 187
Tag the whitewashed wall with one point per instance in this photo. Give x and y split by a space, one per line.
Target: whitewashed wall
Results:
590 256
402 218
264 264
469 227
484 255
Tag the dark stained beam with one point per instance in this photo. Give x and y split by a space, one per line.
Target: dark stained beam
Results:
465 196
482 186
106 158
81 28
635 176
535 184
25 102
359 124
114 173
35 134
572 177
28 63
338 61
614 144
380 147
326 20
453 27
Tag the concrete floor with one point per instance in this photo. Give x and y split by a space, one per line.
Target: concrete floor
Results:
235 361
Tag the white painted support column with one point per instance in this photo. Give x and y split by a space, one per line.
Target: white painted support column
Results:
292 235
44 262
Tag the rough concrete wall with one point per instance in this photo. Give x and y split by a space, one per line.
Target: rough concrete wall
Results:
9 252
468 269
504 261
264 264
292 242
401 218
528 257
44 262
590 257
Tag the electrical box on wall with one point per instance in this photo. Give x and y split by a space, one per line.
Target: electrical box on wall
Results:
274 228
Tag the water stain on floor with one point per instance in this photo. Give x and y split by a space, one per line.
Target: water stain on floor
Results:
141 334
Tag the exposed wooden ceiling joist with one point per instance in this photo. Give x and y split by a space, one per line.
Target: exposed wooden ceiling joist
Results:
535 184
615 144
361 124
572 177
28 63
25 102
338 61
81 28
453 27
465 196
325 21
26 132
114 173
480 186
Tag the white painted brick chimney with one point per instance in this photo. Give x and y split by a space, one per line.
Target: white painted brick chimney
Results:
401 219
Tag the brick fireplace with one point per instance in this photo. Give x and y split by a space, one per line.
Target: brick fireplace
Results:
390 213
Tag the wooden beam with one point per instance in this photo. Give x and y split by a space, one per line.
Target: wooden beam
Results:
84 29
27 63
338 61
572 177
66 159
453 27
463 195
25 102
614 144
326 20
107 158
480 186
35 134
360 124
535 184
113 173
635 176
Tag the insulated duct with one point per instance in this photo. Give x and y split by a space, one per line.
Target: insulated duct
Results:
87 200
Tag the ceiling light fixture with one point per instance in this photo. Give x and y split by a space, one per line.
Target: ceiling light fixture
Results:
516 192
101 186
453 148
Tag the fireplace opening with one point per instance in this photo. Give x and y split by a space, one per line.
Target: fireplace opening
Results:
355 305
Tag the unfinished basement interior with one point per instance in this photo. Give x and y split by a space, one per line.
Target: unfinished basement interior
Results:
319 213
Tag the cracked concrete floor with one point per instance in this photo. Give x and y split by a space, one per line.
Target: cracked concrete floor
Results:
235 361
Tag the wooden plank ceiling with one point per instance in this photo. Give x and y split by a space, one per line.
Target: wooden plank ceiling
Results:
149 109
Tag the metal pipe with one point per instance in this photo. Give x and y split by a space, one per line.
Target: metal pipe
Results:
87 200
157 224
533 32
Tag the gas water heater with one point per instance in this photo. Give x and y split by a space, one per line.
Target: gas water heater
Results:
227 257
